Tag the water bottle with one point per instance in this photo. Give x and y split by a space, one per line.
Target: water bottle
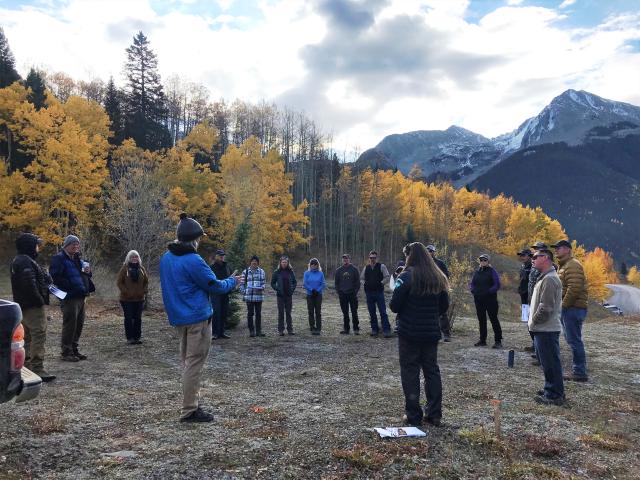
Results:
511 358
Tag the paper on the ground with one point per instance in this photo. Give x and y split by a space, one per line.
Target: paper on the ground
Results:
57 292
396 432
525 313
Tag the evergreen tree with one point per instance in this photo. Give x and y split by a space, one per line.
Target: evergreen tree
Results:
38 94
624 270
237 260
113 107
145 108
8 73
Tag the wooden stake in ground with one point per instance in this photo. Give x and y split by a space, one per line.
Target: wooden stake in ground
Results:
496 417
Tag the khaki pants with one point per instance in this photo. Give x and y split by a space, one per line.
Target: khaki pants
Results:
195 341
34 321
72 323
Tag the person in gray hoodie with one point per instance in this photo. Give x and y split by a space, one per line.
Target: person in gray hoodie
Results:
544 323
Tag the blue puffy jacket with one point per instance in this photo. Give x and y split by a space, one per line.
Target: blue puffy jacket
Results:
68 277
186 282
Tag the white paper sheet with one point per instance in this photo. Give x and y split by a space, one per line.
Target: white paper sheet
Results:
57 292
397 432
525 313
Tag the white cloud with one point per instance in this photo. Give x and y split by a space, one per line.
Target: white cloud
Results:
401 65
567 3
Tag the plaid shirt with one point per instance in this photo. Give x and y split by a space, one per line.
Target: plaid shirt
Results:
254 282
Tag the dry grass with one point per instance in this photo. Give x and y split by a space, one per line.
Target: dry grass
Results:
540 446
482 437
47 424
603 441
532 471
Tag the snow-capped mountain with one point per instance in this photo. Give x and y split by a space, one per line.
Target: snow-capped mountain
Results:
460 155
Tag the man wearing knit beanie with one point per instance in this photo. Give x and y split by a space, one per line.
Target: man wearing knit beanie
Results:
187 281
72 275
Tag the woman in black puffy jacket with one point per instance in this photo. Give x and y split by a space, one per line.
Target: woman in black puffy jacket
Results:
420 297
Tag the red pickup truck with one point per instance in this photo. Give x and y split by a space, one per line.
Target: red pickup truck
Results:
16 381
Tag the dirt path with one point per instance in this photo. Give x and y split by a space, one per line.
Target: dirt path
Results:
302 407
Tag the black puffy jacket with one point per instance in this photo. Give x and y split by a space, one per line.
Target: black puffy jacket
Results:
29 281
418 316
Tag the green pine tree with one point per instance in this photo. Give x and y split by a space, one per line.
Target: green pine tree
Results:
145 106
237 259
38 93
113 106
8 73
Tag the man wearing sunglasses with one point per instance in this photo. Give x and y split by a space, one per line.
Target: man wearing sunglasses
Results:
375 275
544 322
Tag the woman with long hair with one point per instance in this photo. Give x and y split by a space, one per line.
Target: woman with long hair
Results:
314 284
420 297
133 284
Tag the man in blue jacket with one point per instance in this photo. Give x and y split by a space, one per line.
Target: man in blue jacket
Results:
73 276
186 282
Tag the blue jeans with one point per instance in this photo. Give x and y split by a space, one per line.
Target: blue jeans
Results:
373 299
548 350
572 320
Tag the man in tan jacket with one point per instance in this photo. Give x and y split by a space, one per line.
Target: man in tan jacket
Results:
544 323
574 307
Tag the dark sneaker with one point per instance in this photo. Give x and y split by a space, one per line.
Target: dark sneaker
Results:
388 335
70 357
138 342
356 331
260 334
541 399
214 337
533 355
413 423
436 422
281 334
497 345
374 334
480 343
446 338
291 332
315 332
252 334
131 341
540 393
225 336
199 416
345 332
46 377
575 378
535 363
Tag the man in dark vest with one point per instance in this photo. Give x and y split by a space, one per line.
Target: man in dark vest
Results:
375 275
445 326
220 301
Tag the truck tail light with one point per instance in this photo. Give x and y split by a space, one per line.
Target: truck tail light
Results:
17 349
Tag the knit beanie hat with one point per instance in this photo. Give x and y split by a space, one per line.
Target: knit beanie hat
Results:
69 239
188 229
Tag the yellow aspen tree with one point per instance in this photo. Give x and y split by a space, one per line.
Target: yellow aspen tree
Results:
633 276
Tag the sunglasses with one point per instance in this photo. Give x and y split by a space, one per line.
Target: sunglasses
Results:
483 259
372 258
539 256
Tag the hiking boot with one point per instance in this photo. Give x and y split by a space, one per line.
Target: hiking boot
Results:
281 334
535 363
543 400
79 355
260 334
497 345
315 332
291 332
374 334
388 335
446 338
480 343
572 377
413 423
252 334
198 416
225 336
345 332
46 377
137 341
356 331
436 422
214 337
69 357
131 341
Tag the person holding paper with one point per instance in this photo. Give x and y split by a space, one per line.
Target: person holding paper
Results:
72 275
30 285
524 256
420 297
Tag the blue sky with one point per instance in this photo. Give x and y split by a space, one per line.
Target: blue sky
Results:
361 68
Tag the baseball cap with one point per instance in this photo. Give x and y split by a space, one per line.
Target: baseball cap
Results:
562 243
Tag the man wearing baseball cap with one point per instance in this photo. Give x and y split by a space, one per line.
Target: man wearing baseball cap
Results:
574 307
186 282
524 256
220 300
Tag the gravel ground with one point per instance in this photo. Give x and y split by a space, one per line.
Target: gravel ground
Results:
303 407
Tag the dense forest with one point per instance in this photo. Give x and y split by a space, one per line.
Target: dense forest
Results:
118 164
